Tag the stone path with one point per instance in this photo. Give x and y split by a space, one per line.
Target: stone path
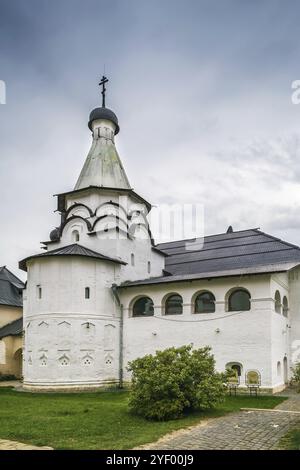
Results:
13 445
246 430
10 383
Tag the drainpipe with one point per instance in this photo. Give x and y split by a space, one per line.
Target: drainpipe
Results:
114 289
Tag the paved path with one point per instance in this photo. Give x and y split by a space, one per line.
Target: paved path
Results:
10 383
13 445
247 430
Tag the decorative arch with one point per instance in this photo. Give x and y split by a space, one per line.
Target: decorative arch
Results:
76 217
277 302
203 301
143 228
109 203
113 218
279 368
238 299
77 205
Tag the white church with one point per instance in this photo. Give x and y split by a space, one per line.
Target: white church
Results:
101 293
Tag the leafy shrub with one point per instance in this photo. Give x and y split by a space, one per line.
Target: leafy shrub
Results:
173 381
296 375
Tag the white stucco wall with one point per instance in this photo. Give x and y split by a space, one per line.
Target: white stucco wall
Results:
70 340
294 316
243 337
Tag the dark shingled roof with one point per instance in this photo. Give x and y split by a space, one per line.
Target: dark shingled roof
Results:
10 288
14 328
70 250
232 253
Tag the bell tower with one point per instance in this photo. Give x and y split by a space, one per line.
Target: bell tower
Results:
72 317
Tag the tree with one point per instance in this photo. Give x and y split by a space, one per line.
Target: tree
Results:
173 381
296 375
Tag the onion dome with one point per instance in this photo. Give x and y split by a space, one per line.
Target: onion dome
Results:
54 235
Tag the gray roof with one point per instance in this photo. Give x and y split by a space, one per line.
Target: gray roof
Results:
10 288
103 166
235 253
70 250
14 328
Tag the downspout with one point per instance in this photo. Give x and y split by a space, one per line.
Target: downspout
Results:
114 289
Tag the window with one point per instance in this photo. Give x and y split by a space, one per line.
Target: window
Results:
237 369
87 293
239 300
285 306
76 236
149 267
173 305
39 292
205 303
277 302
143 307
279 368
132 259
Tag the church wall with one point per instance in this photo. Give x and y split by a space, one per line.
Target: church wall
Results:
294 316
70 340
8 314
234 337
280 330
10 348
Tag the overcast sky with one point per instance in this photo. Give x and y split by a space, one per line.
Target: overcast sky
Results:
202 90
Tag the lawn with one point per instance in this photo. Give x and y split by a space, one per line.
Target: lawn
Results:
291 441
94 420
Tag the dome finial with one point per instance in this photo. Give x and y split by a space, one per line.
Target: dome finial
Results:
102 83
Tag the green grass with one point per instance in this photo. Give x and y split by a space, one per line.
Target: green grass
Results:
291 441
94 420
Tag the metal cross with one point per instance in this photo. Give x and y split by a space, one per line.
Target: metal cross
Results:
102 83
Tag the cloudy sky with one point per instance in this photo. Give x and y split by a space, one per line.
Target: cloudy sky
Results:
202 90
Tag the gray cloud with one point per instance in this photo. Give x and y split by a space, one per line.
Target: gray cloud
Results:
202 90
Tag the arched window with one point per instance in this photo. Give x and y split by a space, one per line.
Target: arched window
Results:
285 306
143 307
132 259
277 302
75 235
205 303
87 293
239 300
279 368
236 367
173 305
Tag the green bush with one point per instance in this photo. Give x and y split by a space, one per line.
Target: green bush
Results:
296 376
173 381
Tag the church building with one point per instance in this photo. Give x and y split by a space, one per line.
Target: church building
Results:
102 293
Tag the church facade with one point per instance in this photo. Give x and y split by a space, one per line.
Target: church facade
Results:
102 293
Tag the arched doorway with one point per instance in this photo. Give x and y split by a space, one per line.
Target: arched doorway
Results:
285 370
18 360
